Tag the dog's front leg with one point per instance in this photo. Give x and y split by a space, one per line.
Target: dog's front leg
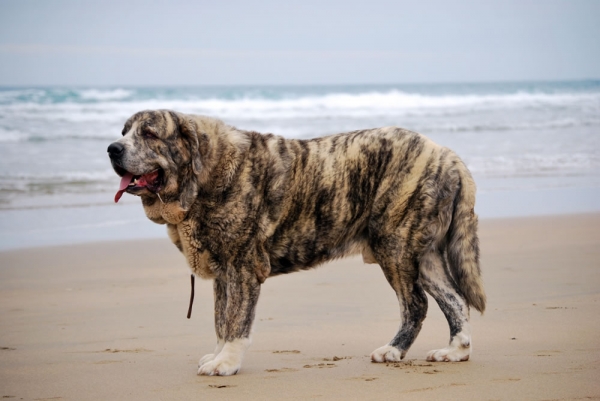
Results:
235 304
220 293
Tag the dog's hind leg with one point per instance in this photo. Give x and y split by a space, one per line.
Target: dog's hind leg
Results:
402 270
436 281
236 296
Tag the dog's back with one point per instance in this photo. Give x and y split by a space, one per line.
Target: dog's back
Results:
331 196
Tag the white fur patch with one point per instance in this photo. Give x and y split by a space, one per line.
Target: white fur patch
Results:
228 361
210 357
387 353
458 350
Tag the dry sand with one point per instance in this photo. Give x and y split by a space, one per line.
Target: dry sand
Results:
106 321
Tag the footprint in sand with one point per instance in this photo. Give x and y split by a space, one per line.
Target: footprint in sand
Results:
133 351
364 378
281 370
411 363
508 379
336 358
321 365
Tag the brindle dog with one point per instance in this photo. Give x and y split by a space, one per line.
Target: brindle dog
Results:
243 207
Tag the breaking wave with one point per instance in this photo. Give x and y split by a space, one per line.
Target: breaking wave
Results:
53 140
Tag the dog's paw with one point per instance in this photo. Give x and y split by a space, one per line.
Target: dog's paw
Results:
210 357
449 354
227 362
458 350
220 367
206 358
387 353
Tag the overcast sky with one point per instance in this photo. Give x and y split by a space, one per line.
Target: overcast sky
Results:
123 42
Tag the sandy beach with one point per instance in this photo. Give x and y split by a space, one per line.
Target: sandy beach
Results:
107 321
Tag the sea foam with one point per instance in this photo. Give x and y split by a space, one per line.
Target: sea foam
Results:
54 140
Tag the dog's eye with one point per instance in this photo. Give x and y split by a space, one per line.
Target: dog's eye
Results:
148 133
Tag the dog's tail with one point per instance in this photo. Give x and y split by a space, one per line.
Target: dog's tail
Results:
462 242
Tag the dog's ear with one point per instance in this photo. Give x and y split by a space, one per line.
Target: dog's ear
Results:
197 142
188 191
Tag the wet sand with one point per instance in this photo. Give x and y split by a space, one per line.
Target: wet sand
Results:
107 321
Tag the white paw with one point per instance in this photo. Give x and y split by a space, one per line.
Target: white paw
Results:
220 367
449 354
387 353
458 350
206 358
210 357
227 362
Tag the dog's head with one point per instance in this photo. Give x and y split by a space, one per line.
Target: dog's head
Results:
161 158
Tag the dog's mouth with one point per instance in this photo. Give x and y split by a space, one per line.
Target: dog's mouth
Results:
134 184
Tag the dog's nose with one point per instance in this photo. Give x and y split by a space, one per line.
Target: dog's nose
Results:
115 149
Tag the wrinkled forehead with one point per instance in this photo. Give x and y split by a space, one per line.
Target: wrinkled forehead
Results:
157 120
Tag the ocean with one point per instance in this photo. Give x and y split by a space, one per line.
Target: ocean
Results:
532 147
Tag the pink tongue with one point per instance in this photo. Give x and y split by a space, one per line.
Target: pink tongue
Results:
125 181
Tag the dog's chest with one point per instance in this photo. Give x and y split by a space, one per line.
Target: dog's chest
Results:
197 257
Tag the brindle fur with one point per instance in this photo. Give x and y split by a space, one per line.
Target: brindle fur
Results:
242 207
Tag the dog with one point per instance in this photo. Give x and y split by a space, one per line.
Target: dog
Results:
243 206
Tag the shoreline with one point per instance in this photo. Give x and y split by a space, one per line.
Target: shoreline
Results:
106 320
160 234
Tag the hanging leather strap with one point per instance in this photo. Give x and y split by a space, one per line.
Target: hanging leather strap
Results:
191 298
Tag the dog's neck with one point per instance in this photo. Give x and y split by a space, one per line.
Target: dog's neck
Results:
170 211
221 162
